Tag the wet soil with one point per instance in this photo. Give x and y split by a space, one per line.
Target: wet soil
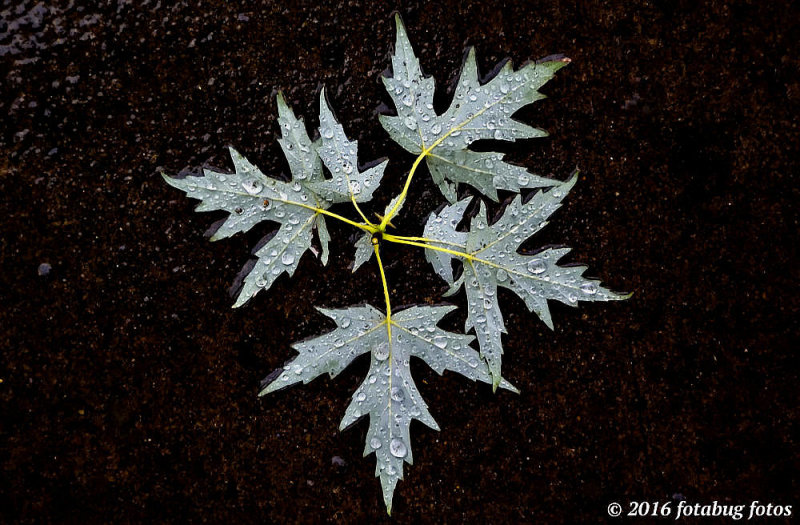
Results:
128 384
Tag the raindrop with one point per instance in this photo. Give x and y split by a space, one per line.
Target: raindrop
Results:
411 123
327 133
440 341
398 448
523 180
498 134
361 396
407 100
589 288
536 266
375 443
436 129
287 258
502 275
487 304
398 394
252 186
381 351
345 322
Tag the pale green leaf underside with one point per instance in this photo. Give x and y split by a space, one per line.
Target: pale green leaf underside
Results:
477 112
496 262
251 197
340 156
388 395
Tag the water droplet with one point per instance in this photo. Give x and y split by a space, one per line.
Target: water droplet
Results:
504 88
287 258
472 362
473 97
327 133
487 304
411 123
398 90
436 129
398 448
375 443
498 134
407 100
361 396
502 275
398 394
238 211
261 282
347 167
523 180
440 341
589 288
381 352
252 186
345 322
536 266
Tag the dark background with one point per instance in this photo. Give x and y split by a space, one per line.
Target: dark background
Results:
129 385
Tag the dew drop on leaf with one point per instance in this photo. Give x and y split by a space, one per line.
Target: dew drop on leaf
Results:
381 351
398 448
252 186
536 266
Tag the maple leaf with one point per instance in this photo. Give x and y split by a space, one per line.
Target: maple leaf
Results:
388 395
250 197
491 259
478 111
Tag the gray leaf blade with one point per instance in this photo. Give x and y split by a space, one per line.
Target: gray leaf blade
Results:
340 156
477 112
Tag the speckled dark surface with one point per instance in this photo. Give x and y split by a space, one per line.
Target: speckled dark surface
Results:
129 384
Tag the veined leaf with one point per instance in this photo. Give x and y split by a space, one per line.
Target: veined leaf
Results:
250 197
492 259
340 156
477 112
388 395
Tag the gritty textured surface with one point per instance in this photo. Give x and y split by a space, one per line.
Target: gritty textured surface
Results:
129 384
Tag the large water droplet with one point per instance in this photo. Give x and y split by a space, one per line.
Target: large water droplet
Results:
398 448
381 351
589 288
361 396
327 133
411 123
440 341
398 394
436 129
407 100
502 275
375 443
536 266
523 180
345 322
287 258
252 186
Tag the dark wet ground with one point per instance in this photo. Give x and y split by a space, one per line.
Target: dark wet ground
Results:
129 384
